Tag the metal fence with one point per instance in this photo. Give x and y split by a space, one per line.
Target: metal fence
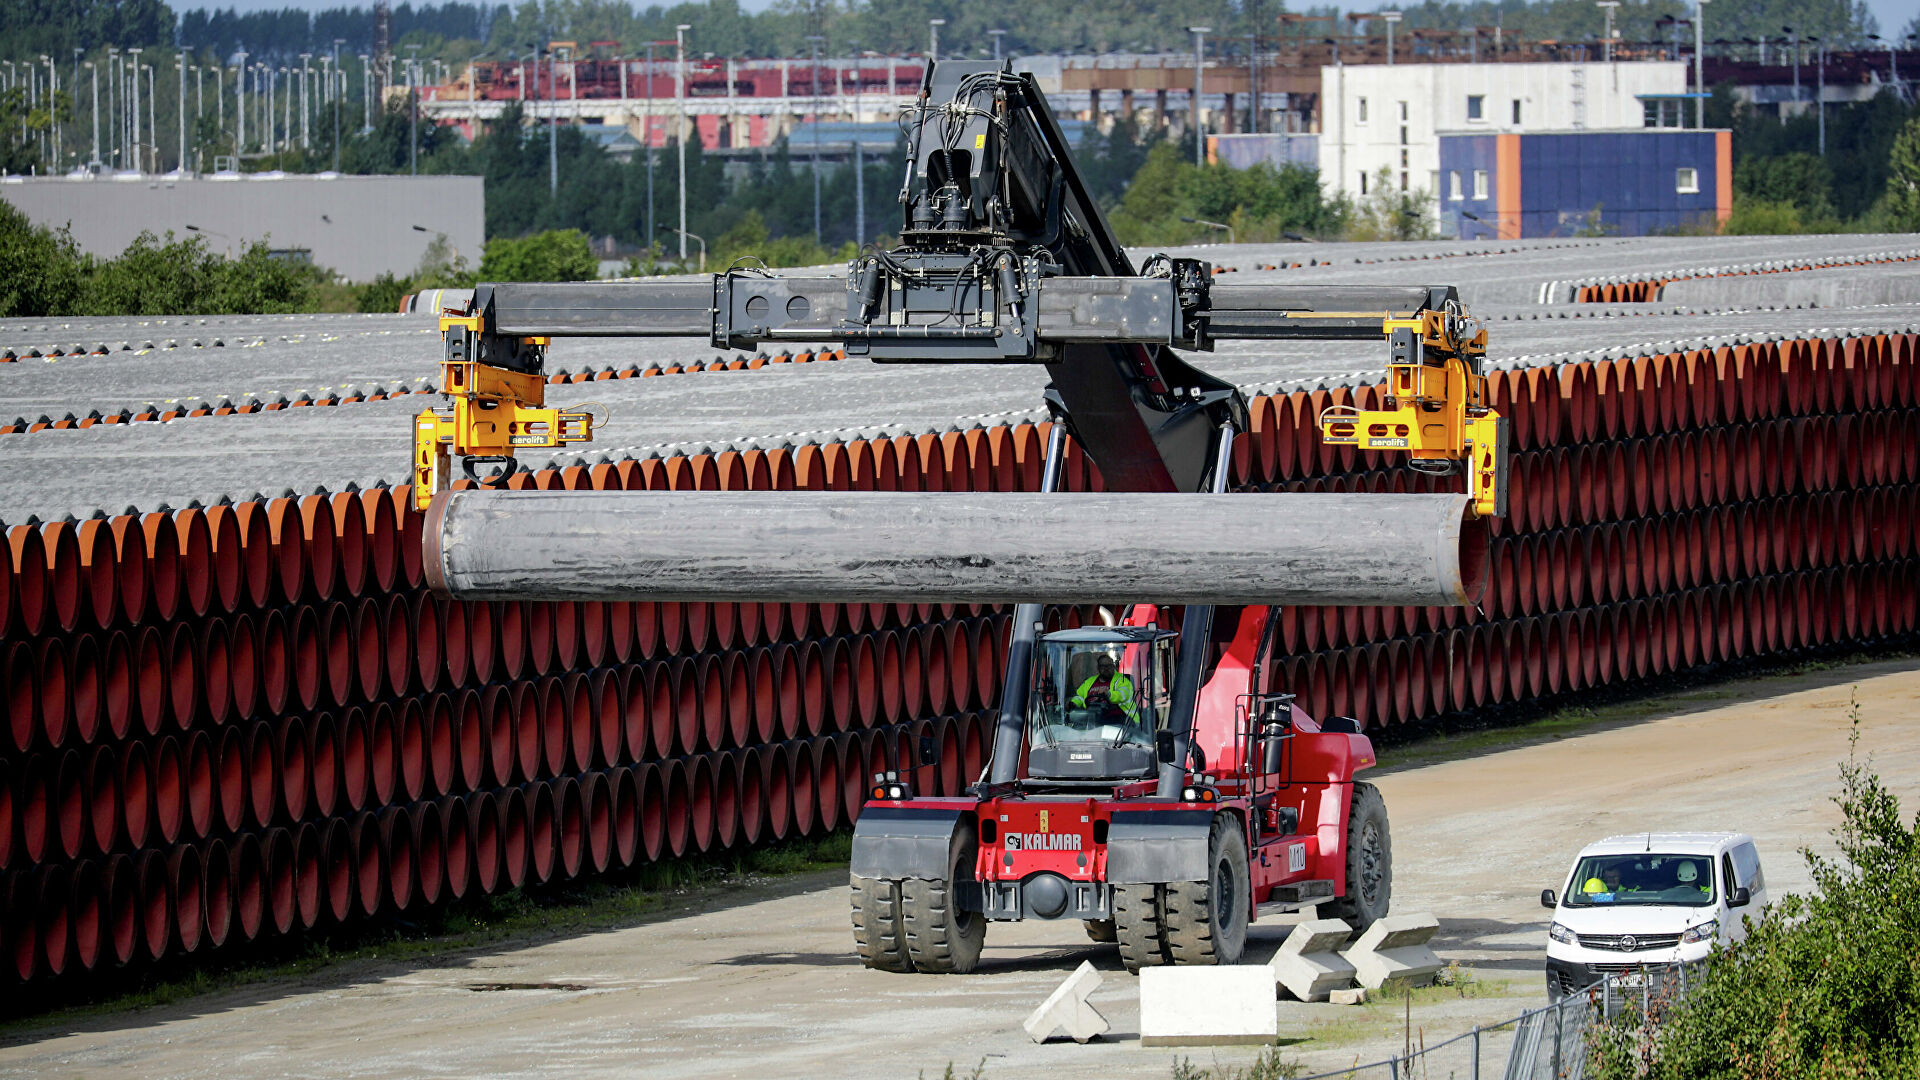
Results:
1547 1043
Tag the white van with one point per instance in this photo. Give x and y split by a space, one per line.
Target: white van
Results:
1648 901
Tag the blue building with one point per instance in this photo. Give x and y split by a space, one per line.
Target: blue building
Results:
1627 183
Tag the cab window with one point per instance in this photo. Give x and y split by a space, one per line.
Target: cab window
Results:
1641 879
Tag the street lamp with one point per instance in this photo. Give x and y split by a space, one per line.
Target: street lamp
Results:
1606 49
1199 57
1211 225
933 38
684 235
1393 19
680 57
996 35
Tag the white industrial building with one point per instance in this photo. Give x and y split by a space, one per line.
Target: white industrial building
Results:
1388 116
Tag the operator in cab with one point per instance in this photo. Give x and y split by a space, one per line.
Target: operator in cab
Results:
1106 689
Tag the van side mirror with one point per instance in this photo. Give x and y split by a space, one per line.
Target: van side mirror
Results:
1163 747
1546 898
1741 897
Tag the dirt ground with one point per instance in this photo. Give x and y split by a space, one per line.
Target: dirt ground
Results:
766 985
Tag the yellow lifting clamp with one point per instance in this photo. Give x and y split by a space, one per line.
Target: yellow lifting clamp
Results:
496 410
1436 406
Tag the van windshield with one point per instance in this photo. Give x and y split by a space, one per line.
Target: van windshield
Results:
1641 879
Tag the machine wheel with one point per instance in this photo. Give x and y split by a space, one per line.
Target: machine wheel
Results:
941 938
1369 862
1136 923
1101 930
1207 920
878 935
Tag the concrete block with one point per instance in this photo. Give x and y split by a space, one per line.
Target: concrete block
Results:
1208 1006
1355 995
1068 1008
1394 950
1308 965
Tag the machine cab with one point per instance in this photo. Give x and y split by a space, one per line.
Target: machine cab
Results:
1099 694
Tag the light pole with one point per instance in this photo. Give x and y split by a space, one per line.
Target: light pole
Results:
996 35
651 231
413 114
1820 89
1393 19
336 93
93 76
1699 64
859 155
680 91
135 54
180 61
813 42
1606 46
240 107
1199 57
366 92
933 38
306 136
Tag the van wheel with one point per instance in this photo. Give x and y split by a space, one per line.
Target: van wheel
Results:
1369 852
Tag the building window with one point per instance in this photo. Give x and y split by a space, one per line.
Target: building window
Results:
1664 113
1403 180
1476 106
1360 111
1403 134
1403 159
1403 110
1363 182
1686 181
1479 183
1516 112
1453 185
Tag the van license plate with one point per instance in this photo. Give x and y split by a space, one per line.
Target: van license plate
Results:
1632 980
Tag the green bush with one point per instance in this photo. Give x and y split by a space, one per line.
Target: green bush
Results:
1826 985
382 294
1261 203
559 255
41 270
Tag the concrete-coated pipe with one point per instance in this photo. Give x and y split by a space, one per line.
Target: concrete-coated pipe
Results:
429 853
486 829
650 807
542 838
596 810
995 548
311 875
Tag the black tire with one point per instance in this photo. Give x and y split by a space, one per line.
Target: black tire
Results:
878 935
1137 926
1101 930
1369 863
941 938
1207 920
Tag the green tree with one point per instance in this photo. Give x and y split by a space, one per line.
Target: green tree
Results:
1803 180
1903 178
558 255
41 270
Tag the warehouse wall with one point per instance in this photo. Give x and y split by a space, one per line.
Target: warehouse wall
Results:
360 226
1551 184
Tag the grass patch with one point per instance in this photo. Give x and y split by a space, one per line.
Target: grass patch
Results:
668 888
1268 1066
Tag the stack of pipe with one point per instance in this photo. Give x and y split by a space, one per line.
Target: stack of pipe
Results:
250 720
